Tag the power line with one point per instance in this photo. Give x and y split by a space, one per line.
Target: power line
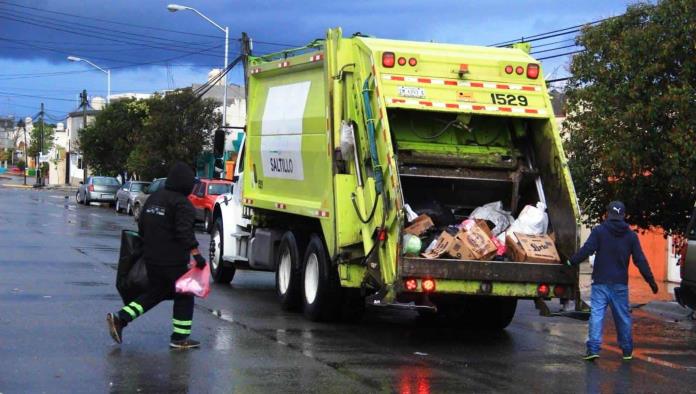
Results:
554 49
9 94
561 55
107 21
107 38
552 33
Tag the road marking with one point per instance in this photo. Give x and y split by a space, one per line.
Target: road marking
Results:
641 355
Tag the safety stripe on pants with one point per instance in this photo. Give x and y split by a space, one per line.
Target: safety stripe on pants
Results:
138 307
182 326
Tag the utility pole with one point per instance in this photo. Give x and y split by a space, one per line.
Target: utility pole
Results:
83 104
246 52
39 175
24 127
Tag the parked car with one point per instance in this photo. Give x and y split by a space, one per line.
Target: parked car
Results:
203 198
97 189
686 293
140 199
127 194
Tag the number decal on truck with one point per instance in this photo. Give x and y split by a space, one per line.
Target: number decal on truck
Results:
509 99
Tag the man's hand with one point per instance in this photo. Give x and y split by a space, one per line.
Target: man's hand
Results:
200 261
653 286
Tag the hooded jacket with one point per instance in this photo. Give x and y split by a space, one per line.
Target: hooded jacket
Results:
614 243
167 220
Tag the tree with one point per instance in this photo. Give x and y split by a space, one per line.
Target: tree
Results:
35 143
179 128
109 141
631 121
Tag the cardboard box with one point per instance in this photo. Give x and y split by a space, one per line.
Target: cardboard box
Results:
420 225
458 248
478 239
533 248
444 242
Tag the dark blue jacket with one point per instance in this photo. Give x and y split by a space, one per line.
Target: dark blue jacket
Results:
613 242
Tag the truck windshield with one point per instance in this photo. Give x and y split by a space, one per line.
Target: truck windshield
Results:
216 189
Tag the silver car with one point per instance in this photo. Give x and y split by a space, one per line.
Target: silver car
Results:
140 199
97 189
126 195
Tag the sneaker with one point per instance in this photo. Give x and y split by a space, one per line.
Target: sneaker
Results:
590 356
627 356
115 326
184 344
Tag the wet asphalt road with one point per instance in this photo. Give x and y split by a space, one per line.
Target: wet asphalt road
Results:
57 272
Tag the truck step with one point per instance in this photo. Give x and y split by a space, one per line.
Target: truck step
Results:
235 258
240 234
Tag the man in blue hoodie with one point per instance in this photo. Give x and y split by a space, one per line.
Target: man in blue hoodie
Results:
614 243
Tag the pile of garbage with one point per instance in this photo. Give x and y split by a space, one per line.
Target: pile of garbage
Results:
489 233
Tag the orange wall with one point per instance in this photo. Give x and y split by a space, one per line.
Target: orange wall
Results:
654 246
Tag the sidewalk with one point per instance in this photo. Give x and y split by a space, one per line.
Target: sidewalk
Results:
17 181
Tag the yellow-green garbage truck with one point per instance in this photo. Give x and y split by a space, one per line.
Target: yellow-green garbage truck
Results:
343 133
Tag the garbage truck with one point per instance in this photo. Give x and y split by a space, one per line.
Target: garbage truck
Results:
345 132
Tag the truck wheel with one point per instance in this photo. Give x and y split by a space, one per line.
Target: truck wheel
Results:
221 274
321 296
494 313
287 272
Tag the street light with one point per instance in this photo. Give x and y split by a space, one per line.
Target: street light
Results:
107 72
226 30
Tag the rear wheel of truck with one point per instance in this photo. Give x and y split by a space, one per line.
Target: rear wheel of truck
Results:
287 273
493 313
321 288
220 273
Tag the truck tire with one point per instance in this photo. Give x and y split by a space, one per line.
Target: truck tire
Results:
492 313
321 295
287 274
220 273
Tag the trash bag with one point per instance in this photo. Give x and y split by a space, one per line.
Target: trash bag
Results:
196 281
494 213
532 220
131 253
440 214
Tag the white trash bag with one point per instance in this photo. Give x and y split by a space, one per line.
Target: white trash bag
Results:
494 212
533 220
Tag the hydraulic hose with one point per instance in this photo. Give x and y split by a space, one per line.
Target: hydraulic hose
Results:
379 180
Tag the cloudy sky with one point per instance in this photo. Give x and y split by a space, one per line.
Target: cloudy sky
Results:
149 48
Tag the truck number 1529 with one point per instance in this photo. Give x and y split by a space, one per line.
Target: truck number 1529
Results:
508 99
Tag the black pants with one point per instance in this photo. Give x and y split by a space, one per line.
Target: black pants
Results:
162 280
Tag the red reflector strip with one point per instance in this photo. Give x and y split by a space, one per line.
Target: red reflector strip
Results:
465 106
316 58
283 64
321 214
451 82
280 206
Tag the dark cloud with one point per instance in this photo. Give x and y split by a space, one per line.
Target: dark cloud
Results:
42 29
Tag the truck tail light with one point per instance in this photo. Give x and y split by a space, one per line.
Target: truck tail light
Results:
411 284
519 70
508 69
402 61
559 291
91 188
532 71
428 285
412 62
388 59
543 290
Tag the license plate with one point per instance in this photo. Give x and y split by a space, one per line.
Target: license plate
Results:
407 91
107 196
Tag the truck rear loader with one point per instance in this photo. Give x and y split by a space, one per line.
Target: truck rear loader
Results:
343 133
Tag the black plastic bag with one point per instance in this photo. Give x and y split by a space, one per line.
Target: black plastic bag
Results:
131 274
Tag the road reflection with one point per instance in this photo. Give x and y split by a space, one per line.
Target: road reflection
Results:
414 380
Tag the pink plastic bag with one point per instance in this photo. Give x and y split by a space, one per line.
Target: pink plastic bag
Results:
196 281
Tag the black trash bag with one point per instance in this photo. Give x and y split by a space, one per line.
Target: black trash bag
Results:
131 273
440 215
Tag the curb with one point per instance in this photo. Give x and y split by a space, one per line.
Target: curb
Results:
669 310
18 186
